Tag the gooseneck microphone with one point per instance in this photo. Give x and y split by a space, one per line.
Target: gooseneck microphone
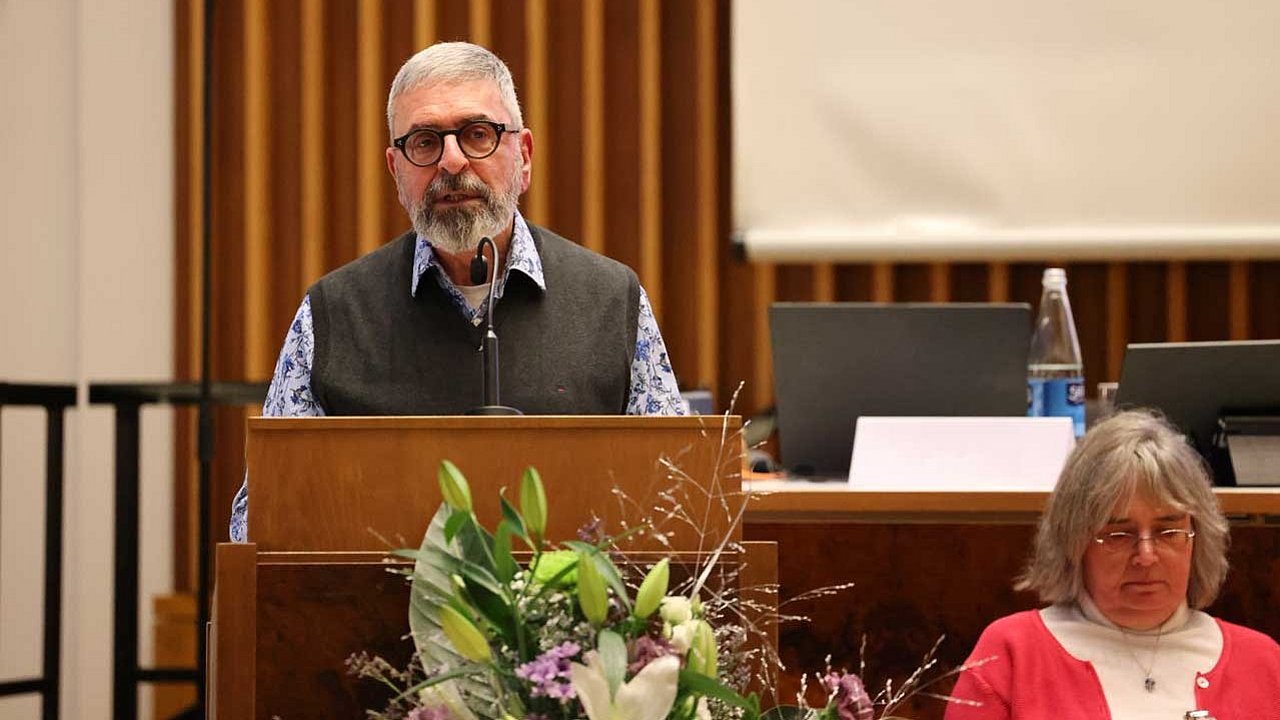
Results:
489 346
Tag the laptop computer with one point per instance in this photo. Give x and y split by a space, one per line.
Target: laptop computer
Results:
835 362
1195 383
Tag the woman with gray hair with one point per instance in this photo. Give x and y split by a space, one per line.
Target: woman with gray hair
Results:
1130 548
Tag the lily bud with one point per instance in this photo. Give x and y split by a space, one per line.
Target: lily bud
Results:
653 589
702 651
465 637
591 591
533 502
676 610
453 487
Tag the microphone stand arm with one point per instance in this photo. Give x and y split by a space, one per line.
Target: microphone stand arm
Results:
489 346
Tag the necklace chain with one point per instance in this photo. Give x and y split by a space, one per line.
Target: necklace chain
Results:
1148 683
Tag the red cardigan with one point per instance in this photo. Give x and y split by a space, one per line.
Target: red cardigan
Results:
1033 677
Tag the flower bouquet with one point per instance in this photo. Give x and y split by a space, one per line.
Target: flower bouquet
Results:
508 626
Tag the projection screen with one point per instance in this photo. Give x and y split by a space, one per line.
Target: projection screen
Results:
1006 129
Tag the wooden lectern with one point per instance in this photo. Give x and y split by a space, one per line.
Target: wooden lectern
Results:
330 496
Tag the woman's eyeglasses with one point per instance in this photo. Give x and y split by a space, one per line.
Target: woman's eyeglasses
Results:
1170 540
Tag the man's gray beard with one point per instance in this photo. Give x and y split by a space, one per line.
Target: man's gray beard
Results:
458 230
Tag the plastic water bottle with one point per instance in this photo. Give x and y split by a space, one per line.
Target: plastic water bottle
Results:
1055 373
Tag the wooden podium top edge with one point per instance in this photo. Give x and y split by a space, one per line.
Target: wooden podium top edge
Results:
803 498
527 422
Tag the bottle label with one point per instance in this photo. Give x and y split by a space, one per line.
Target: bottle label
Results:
1057 397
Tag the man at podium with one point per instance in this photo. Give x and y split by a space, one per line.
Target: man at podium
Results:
395 332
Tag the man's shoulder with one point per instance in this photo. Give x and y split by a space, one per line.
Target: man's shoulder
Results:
374 265
554 248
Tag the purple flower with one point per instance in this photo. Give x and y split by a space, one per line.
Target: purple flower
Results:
848 696
646 650
548 674
592 531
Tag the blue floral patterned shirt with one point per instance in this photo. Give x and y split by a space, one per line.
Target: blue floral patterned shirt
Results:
653 388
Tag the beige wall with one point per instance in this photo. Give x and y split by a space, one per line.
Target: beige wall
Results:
85 294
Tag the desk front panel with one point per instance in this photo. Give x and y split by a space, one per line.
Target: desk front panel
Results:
946 570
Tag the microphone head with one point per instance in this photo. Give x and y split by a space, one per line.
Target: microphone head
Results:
479 265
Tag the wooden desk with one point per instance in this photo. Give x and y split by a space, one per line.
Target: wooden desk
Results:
806 502
929 564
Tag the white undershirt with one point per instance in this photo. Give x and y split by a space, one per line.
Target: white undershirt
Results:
1190 642
474 294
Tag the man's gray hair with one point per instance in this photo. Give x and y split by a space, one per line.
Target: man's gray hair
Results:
453 62
1129 453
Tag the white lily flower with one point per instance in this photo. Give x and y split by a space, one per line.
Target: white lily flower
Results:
681 636
445 695
676 609
649 695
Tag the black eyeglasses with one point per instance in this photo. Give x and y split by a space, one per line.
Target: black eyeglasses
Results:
477 139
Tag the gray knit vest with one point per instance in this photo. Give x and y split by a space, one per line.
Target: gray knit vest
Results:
565 351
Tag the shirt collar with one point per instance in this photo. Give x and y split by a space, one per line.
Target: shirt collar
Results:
522 256
1090 610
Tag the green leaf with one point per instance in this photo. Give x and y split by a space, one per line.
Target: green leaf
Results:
787 712
454 523
480 575
513 517
504 564
607 571
580 547
495 609
716 690
462 672
686 708
478 578
431 589
613 657
476 544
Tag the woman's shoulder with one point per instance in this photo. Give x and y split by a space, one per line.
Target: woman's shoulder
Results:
1013 628
1248 640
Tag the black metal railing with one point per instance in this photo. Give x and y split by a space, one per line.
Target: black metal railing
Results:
55 399
128 399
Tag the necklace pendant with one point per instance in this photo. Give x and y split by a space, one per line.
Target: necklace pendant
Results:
1149 684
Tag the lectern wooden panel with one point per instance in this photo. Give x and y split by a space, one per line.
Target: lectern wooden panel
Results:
300 615
327 495
335 484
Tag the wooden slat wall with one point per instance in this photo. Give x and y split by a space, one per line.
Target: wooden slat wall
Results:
628 101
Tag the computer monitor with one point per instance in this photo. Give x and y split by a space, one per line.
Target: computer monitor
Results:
835 362
1195 383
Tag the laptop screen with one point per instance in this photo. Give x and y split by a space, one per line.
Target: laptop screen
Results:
1195 383
835 362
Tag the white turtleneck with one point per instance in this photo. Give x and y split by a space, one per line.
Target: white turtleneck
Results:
1189 642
